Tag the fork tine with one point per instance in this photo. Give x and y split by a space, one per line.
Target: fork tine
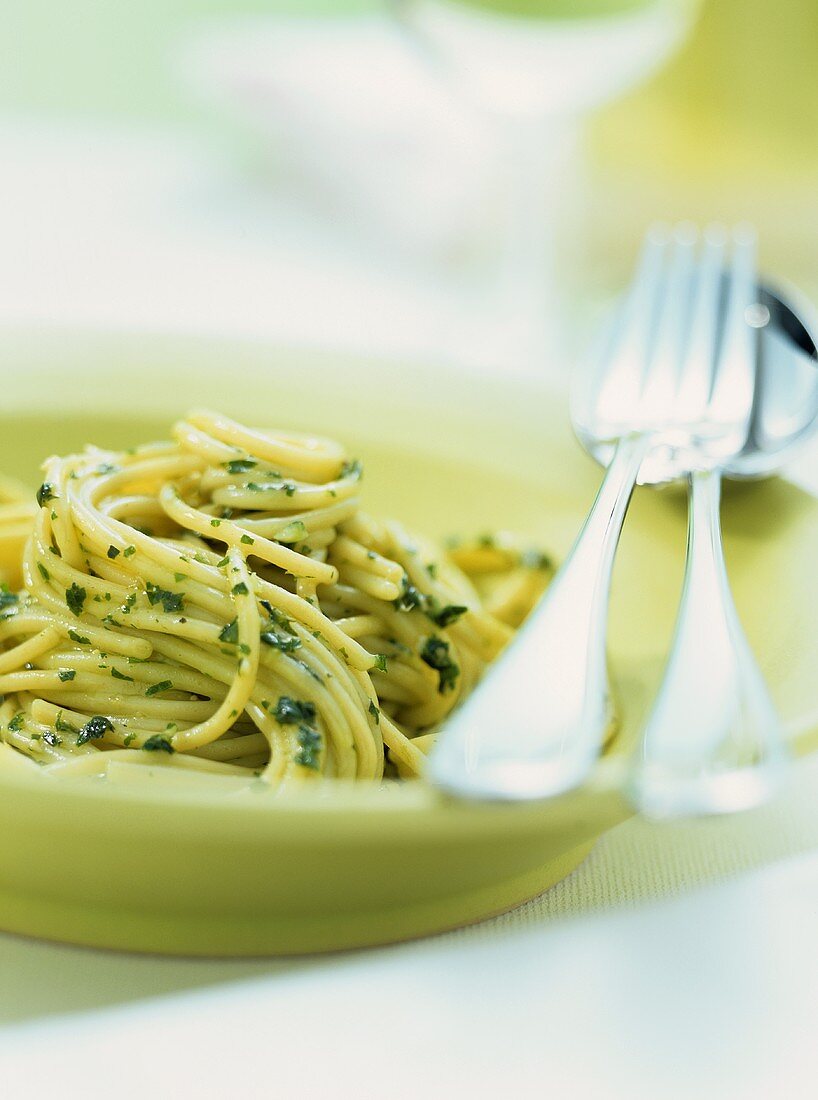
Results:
698 365
661 376
622 363
733 375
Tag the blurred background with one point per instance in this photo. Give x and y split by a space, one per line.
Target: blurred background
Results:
464 180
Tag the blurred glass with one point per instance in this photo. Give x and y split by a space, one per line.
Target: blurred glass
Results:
535 68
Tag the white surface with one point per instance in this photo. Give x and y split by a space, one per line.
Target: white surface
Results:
712 995
708 991
359 111
152 231
550 66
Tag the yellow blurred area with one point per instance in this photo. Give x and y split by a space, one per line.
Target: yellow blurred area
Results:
728 130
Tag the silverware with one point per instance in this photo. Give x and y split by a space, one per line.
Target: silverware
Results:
713 742
535 727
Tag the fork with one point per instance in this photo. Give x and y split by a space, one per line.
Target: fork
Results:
652 408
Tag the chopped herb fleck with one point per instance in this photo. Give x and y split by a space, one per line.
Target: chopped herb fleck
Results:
117 675
129 739
75 598
278 639
536 559
410 596
158 743
279 633
240 589
293 532
45 493
448 614
43 571
215 523
80 639
66 674
129 551
375 712
287 487
353 469
52 739
93 729
239 465
62 726
309 741
16 723
248 540
436 655
171 601
380 662
157 689
290 711
7 597
230 633
179 577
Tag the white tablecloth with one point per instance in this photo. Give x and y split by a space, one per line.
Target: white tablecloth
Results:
678 960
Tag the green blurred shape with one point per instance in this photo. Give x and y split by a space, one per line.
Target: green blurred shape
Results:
557 9
115 57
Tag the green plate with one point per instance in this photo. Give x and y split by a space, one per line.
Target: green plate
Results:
212 872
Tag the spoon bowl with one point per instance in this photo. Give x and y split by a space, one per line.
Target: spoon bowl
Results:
785 403
785 409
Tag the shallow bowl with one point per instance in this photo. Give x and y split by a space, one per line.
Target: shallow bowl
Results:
202 870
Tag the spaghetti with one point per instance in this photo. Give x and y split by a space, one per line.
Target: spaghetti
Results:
221 604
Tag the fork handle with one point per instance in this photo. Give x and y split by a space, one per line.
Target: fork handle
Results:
536 725
713 743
